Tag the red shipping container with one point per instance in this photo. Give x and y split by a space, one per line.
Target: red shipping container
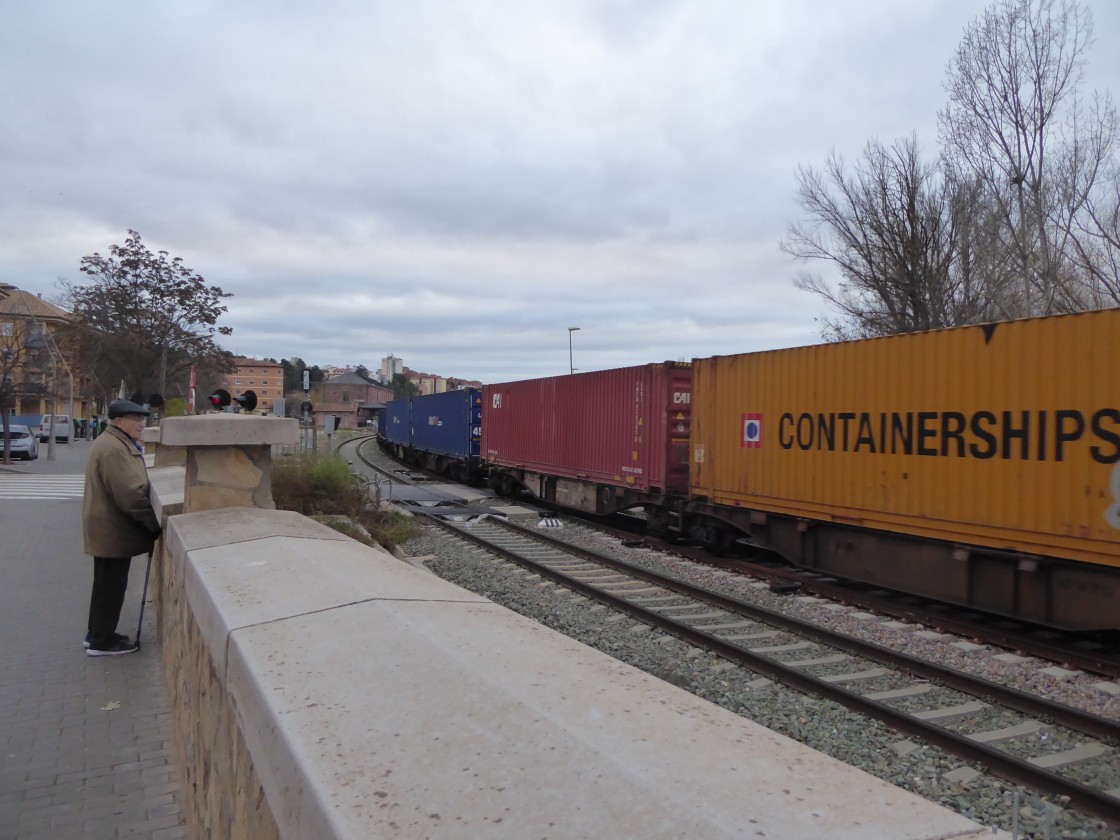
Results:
626 428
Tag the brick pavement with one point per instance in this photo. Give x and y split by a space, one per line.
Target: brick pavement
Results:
86 748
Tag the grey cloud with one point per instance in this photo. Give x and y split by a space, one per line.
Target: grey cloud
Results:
459 182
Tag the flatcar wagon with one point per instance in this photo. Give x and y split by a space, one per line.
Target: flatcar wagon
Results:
979 465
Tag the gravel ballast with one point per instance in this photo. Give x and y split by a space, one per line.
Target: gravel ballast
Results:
822 725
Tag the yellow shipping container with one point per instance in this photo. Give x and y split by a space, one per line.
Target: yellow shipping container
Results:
1002 435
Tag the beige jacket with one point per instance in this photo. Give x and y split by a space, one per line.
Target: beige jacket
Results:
117 515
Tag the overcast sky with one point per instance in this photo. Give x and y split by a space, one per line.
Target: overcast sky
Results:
457 183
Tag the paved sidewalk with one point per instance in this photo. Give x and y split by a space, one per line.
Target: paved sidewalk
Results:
86 750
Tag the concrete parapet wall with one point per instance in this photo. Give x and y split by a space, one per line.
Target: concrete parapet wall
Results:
324 689
225 793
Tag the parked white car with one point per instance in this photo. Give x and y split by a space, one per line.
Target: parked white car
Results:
61 428
24 444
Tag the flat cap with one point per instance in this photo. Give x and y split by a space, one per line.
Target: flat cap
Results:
121 408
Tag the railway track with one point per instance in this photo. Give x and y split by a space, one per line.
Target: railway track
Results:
1074 651
1081 652
1048 747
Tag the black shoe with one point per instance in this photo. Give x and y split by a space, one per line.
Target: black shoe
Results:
117 649
116 637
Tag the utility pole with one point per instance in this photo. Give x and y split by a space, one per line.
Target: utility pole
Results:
54 409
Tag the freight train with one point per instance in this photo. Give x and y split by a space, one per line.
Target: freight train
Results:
978 465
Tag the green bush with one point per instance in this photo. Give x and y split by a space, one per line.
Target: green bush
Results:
324 488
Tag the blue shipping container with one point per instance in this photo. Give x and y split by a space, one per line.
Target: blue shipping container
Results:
448 423
398 422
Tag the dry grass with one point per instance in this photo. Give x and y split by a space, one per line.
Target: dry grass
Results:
323 487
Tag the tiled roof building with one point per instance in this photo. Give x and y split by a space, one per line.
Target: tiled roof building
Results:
350 396
263 378
27 327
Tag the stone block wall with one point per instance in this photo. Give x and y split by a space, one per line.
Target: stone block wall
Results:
222 785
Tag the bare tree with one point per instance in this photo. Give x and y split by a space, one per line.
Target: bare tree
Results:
891 226
1097 241
14 346
1015 124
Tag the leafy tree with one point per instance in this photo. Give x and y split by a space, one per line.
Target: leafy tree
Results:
175 407
362 371
145 317
403 387
293 374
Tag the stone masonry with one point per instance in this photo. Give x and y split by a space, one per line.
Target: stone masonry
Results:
228 457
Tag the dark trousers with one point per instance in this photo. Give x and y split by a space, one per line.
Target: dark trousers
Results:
110 580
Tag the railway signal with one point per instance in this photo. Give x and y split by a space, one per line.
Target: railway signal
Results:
221 399
247 401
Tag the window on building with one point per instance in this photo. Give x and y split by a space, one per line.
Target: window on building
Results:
237 382
346 396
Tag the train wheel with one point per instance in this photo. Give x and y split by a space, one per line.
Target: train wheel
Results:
718 540
505 485
606 499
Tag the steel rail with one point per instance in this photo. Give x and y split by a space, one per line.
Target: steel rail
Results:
1105 664
1018 771
1096 663
1084 722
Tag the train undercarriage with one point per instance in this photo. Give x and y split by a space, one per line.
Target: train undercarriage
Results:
1045 590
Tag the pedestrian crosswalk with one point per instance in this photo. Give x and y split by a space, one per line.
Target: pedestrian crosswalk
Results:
14 486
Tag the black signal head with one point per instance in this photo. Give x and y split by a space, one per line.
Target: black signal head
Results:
248 400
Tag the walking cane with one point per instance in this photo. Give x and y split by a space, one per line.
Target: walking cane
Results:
144 597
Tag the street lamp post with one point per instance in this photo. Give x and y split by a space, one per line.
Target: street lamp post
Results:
570 331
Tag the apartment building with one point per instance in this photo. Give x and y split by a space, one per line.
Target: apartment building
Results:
265 379
36 371
390 366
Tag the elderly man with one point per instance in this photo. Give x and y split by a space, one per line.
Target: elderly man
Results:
118 522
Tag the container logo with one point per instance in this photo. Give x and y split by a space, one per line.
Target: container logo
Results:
495 400
1026 435
433 420
752 431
